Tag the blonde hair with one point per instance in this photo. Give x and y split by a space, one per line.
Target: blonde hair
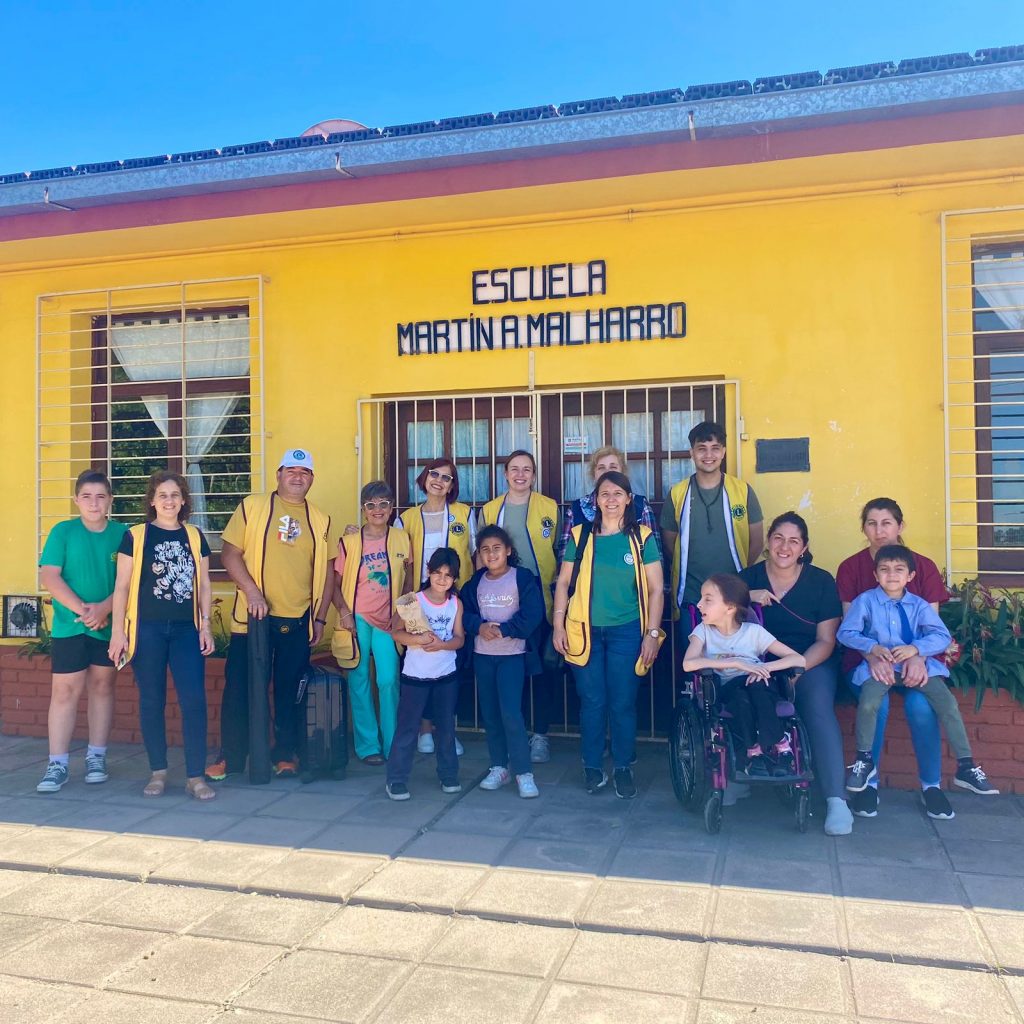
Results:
600 453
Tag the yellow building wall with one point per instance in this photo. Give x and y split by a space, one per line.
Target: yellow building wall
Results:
821 292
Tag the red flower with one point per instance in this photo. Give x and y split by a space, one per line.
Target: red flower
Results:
953 654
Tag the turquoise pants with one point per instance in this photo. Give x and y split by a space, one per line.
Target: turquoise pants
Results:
370 736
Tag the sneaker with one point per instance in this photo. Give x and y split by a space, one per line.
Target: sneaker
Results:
218 771
527 787
425 743
451 787
783 765
594 779
865 803
286 769
540 749
96 768
459 748
55 777
862 773
496 778
970 777
625 787
757 767
397 791
936 804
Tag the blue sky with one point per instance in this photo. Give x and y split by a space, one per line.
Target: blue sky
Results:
84 80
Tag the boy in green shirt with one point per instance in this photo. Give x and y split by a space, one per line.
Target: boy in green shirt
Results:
78 566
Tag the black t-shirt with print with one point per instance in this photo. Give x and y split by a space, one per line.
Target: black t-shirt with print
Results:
168 573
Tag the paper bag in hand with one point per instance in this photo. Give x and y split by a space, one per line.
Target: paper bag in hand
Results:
412 614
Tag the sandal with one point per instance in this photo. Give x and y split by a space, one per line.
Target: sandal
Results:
157 784
200 789
375 760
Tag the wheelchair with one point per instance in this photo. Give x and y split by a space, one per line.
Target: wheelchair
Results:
702 759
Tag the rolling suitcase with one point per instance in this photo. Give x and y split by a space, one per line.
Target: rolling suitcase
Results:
325 748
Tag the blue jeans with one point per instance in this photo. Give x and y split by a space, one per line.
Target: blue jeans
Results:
607 686
412 699
160 645
924 733
499 688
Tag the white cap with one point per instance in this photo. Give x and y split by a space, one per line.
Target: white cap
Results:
297 457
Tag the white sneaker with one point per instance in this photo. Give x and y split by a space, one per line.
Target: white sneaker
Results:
425 743
540 749
459 748
527 787
496 778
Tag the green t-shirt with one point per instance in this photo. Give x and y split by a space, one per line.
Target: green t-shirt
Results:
614 600
88 565
514 521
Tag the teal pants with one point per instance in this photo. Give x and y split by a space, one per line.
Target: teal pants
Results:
371 736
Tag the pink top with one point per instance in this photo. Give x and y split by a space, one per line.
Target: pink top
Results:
373 586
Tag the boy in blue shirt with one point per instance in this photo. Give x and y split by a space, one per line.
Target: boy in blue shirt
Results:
896 626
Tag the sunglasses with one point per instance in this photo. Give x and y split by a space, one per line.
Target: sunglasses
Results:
372 506
436 474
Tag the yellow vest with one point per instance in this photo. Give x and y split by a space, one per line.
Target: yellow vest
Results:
131 612
577 616
457 539
541 522
737 529
257 510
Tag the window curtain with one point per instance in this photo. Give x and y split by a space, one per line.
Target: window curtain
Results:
1000 282
204 423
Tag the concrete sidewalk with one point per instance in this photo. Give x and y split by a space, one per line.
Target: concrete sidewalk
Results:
329 902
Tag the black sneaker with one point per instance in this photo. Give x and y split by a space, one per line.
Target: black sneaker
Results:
783 765
397 791
865 803
862 773
452 786
56 775
935 804
625 787
757 767
972 777
594 779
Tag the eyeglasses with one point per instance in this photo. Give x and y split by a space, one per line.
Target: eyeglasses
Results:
372 506
436 474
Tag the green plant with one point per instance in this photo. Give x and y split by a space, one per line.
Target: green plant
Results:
988 649
221 633
41 644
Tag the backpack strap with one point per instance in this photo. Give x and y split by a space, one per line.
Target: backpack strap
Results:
584 537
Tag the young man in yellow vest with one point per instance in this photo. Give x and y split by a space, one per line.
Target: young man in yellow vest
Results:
279 552
711 523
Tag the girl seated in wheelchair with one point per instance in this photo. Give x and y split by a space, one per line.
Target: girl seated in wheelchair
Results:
731 646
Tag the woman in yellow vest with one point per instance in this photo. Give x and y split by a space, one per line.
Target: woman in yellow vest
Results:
531 520
608 624
442 521
161 619
370 575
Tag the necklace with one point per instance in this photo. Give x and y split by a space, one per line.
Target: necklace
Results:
708 506
779 591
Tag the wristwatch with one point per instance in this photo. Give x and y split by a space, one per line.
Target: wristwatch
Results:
654 633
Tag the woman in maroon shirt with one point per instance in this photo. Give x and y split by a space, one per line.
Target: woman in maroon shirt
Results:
881 519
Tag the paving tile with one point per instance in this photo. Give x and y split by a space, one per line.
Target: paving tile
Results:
1005 933
13 878
767 918
905 992
164 908
914 931
224 864
902 885
105 817
744 1013
439 995
569 827
505 948
63 896
122 1008
477 819
992 827
649 906
409 814
39 809
641 962
916 852
35 1002
45 847
356 837
466 849
189 963
21 783
270 832
9 830
234 800
663 865
307 873
589 1004
248 917
554 855
427 884
530 896
85 954
774 977
685 832
16 930
132 855
333 986
1015 990
750 871
984 857
183 824
131 795
993 893
379 933
312 806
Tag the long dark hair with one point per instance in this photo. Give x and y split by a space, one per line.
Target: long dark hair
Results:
734 591
797 520
630 524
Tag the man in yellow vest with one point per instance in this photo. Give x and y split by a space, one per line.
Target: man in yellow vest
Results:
279 551
711 523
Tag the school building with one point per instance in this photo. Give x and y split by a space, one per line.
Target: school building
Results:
832 265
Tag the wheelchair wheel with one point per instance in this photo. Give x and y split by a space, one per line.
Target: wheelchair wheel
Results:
687 759
803 813
713 812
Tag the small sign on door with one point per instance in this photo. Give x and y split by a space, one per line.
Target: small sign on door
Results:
574 444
